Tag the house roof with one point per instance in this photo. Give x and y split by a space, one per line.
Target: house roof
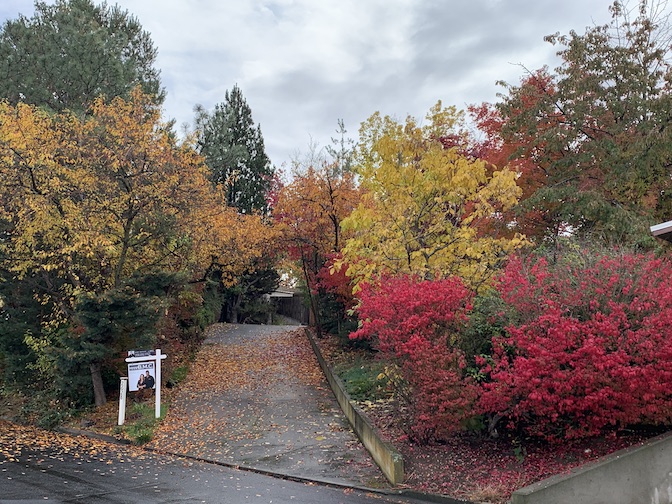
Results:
663 231
283 292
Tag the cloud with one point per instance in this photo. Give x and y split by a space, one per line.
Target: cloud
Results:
304 64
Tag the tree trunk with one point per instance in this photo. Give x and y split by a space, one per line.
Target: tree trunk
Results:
98 389
235 306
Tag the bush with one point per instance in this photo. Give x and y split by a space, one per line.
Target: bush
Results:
592 350
415 324
488 319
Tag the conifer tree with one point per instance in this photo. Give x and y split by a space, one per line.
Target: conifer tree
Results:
73 51
234 151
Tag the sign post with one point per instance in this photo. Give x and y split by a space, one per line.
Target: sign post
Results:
123 387
140 367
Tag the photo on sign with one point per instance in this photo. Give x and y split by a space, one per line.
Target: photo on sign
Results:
141 376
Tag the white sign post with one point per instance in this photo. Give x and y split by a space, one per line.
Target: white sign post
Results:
123 387
144 362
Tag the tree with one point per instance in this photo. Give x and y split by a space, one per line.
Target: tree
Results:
91 204
20 314
598 128
73 51
341 149
425 206
234 151
309 213
491 148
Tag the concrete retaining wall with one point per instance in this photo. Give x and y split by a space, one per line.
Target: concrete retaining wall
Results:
388 459
637 475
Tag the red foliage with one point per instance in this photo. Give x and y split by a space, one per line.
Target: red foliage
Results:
415 323
336 282
592 350
508 140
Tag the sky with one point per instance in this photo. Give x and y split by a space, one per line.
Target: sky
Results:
304 64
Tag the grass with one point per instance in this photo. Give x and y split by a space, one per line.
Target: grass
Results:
141 423
178 376
364 380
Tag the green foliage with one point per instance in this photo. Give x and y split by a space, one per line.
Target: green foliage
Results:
489 317
335 320
142 422
211 308
108 324
234 152
596 131
178 375
61 368
20 315
244 301
70 52
364 379
125 316
233 149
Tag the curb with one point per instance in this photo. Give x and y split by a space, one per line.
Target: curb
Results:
94 435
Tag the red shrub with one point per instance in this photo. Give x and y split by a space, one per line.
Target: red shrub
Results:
592 350
334 281
416 324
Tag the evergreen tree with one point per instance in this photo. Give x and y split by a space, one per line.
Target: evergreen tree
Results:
70 52
233 148
21 314
234 151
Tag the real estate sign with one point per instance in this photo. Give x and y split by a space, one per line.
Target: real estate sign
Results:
141 376
144 372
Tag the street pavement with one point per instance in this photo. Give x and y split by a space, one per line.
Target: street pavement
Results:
41 466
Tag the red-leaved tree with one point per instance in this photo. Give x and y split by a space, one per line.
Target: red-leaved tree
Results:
591 351
415 323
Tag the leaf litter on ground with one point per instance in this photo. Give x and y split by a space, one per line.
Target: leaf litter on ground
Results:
265 403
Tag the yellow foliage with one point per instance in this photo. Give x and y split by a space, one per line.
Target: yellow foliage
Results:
426 209
95 201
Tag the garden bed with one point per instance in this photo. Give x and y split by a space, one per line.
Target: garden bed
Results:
468 466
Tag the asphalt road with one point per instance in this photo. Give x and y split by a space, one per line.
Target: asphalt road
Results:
65 471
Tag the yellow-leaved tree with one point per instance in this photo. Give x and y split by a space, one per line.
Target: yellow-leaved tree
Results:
427 208
98 209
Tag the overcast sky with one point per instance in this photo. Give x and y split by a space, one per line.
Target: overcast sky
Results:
304 64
